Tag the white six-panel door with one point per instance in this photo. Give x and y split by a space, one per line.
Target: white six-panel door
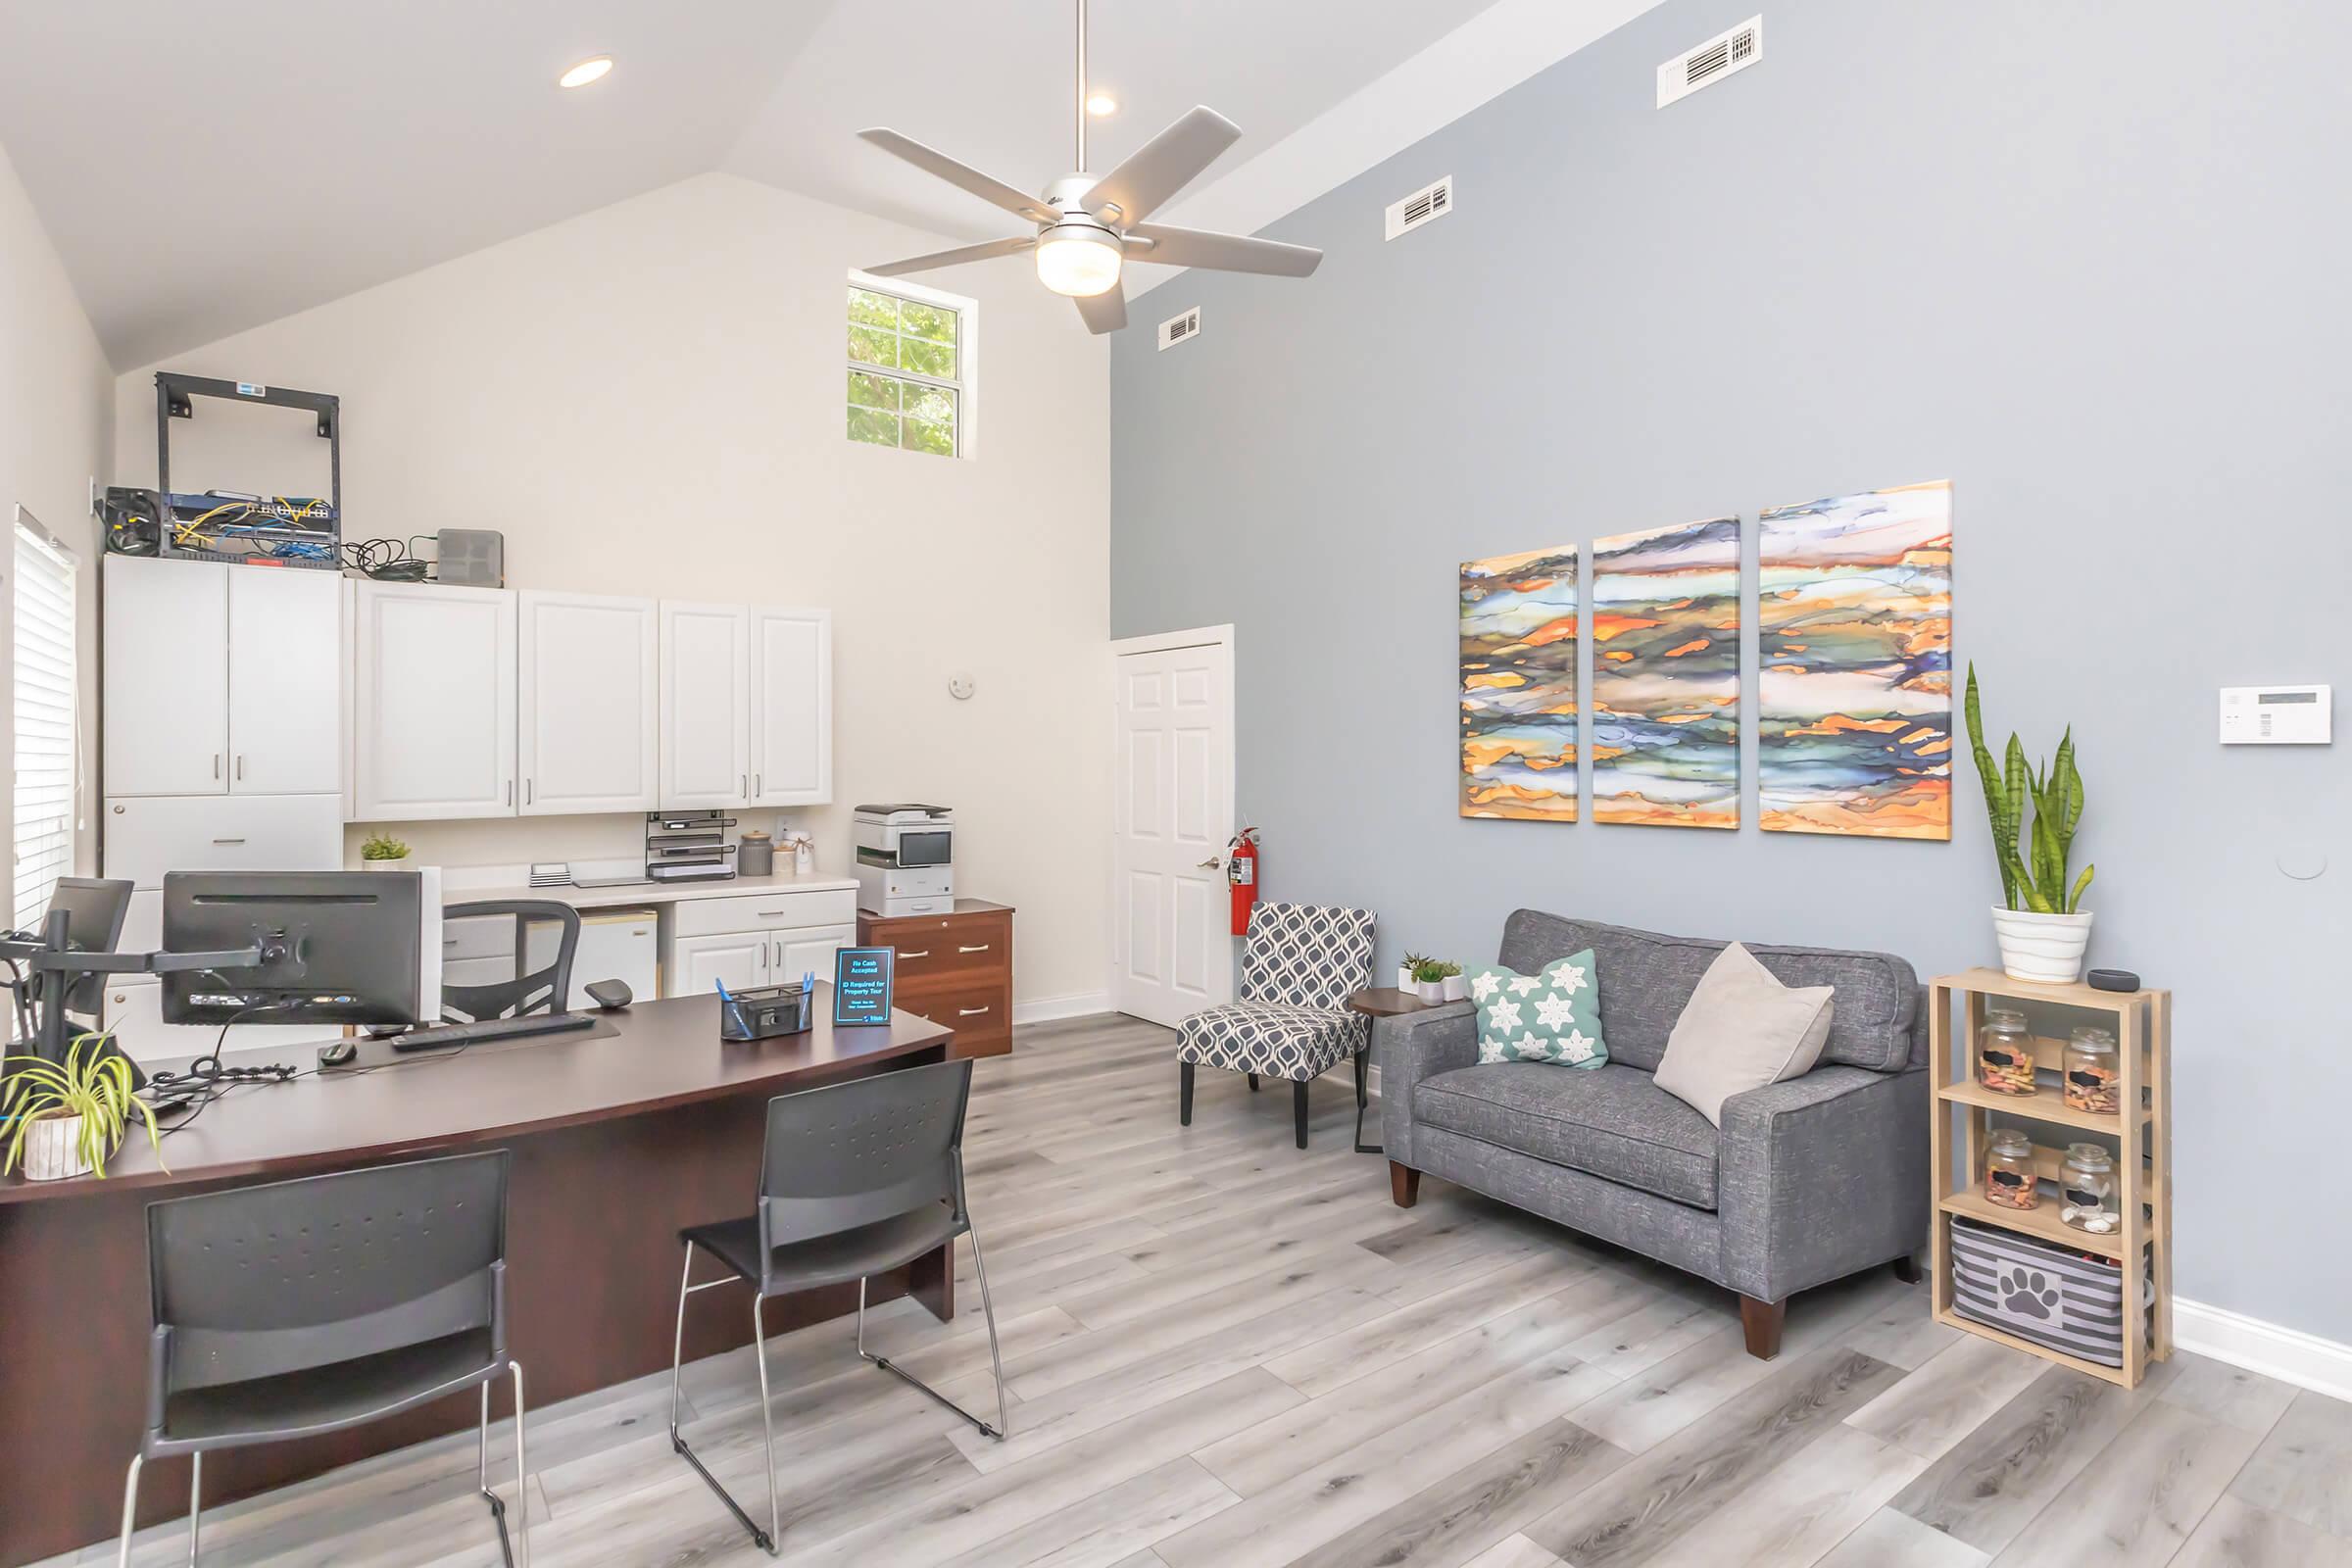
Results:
285 684
792 707
1172 819
589 703
434 707
705 706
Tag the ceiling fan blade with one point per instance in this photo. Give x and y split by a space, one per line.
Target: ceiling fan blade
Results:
1219 253
1105 312
954 258
1162 166
985 186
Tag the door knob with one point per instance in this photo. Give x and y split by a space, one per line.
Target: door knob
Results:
1211 863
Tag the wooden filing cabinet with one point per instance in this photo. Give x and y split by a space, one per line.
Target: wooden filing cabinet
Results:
953 969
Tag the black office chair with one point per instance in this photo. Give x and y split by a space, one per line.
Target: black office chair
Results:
302 1308
857 1179
547 990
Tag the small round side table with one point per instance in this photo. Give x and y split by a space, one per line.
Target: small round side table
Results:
1376 1002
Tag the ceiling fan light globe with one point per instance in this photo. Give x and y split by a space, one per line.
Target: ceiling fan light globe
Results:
1079 261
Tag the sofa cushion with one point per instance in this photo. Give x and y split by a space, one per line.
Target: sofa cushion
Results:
1742 1030
1645 979
1613 1123
1554 1016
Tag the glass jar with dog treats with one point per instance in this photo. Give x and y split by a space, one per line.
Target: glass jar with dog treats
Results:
2086 1190
2005 1053
2093 1077
2009 1170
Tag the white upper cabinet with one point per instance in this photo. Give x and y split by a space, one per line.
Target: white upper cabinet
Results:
286 686
705 706
221 679
792 707
590 703
433 726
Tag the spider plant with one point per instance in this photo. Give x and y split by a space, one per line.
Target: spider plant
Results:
93 1083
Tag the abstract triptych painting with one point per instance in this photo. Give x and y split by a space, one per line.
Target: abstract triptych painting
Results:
1518 686
1666 676
1854 623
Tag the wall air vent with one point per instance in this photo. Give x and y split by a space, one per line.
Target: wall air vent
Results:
1424 206
1711 62
1180 328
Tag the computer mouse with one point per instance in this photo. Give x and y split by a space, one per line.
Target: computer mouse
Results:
338 1053
610 995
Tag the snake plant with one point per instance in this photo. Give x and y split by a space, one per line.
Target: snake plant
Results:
95 1087
2032 859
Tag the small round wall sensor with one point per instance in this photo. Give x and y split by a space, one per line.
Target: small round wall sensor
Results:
961 688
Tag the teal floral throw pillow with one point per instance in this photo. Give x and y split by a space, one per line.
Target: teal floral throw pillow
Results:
1554 1016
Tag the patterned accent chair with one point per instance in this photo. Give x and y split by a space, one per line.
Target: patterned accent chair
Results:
1301 964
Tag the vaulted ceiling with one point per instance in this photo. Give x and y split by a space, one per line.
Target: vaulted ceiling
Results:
205 167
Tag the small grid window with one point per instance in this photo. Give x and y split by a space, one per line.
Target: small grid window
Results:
906 373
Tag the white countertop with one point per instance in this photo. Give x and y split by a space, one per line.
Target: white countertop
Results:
463 884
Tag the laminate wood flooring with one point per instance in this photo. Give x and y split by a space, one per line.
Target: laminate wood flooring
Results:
1224 1352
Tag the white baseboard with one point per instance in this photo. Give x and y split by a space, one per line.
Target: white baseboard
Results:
2324 1366
1045 1010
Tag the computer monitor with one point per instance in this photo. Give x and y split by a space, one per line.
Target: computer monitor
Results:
95 909
337 946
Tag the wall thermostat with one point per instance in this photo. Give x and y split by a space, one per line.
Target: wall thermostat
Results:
2277 716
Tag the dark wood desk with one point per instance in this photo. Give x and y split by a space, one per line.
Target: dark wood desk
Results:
620 1136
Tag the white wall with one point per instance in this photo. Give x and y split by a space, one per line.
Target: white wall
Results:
649 399
56 407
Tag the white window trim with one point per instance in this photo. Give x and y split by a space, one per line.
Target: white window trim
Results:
29 532
968 350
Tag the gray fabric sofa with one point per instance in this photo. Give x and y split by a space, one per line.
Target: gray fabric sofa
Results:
1808 1180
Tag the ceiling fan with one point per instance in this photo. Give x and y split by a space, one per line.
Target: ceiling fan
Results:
1087 227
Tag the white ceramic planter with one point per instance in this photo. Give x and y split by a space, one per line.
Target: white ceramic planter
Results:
1432 991
1457 988
2045 947
53 1149
1404 979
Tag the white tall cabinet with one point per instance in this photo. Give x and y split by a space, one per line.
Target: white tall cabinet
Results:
792 707
590 708
434 694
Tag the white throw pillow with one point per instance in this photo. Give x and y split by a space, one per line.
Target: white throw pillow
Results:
1742 1029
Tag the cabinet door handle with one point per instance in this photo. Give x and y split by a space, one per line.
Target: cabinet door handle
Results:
981 947
759 784
970 1012
216 765
925 954
240 764
743 784
531 790
509 792
228 840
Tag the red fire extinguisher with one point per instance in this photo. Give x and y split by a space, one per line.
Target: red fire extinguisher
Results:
1241 869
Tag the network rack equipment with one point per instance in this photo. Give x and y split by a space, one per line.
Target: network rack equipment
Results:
292 531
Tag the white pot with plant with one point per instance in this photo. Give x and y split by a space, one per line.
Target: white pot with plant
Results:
68 1119
1429 978
2044 930
1456 983
1405 981
381 852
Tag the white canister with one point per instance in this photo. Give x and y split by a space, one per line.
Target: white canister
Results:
1457 988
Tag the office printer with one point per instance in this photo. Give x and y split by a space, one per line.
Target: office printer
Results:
905 859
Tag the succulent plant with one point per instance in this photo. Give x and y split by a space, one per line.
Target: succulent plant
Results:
2032 859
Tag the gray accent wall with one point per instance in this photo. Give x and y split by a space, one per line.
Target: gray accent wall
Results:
2086 260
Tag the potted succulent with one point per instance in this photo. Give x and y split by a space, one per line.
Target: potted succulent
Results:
1457 984
2044 929
1405 979
68 1119
381 852
1429 976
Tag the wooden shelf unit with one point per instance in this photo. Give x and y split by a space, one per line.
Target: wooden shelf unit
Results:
2143 1032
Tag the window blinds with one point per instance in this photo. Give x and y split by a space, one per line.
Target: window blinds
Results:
45 729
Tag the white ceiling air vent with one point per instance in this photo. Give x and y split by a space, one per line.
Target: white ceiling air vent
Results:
1711 62
1180 328
1424 206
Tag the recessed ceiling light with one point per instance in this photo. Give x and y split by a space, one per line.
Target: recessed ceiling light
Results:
586 72
1101 103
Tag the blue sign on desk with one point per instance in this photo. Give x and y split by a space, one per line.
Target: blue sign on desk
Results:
861 984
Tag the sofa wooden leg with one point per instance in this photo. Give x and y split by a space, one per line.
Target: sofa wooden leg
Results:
1761 1322
1907 1269
1184 1094
1254 1083
1404 1185
1298 1108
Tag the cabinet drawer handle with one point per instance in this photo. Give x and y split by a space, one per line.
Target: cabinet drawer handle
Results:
228 840
982 948
968 1012
925 954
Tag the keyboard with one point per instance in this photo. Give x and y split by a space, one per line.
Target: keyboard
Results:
442 1036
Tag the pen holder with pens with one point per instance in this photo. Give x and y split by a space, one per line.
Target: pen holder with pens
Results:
764 1012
